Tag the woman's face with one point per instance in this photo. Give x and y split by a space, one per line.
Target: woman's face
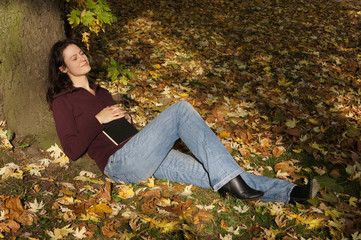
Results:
76 62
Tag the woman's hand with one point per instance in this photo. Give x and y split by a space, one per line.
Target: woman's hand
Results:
110 113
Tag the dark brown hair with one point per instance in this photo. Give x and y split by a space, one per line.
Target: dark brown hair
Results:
57 80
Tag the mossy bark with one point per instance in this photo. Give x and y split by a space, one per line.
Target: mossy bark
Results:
28 29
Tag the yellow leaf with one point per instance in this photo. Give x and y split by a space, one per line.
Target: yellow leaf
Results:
271 233
283 82
267 69
352 201
336 224
85 39
149 183
18 174
297 150
66 200
316 146
333 213
184 94
224 134
100 209
224 225
291 123
311 221
89 217
323 129
126 192
60 233
67 192
264 117
157 66
167 226
63 160
154 74
313 121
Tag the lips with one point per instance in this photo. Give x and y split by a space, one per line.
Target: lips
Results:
85 64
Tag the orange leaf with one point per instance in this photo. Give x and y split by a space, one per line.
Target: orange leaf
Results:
244 152
106 194
13 207
224 134
151 193
10 226
277 151
108 229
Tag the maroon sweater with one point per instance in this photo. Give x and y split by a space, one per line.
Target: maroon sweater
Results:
79 131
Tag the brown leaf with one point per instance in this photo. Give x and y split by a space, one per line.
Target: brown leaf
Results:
27 218
289 168
294 132
151 193
244 152
355 157
135 224
288 238
106 194
202 216
12 206
242 133
149 205
9 226
335 161
335 173
277 151
108 229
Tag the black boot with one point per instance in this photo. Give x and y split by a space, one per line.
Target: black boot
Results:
238 188
301 194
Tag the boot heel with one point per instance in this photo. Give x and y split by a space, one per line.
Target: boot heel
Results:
238 188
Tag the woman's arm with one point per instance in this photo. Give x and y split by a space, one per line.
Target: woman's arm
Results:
74 140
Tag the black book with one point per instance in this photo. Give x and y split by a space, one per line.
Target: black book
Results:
119 130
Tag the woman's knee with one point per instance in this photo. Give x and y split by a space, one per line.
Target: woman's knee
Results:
184 105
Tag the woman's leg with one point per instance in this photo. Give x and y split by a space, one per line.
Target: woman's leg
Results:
145 152
274 189
150 153
180 167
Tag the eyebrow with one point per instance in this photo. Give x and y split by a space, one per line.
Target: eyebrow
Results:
75 54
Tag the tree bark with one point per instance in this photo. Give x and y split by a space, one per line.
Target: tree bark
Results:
28 30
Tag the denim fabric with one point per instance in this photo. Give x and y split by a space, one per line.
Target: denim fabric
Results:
149 153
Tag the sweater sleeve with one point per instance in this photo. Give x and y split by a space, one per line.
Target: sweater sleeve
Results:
75 141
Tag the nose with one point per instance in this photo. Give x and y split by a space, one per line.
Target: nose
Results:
83 57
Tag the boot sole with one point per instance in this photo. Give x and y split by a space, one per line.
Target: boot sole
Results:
224 195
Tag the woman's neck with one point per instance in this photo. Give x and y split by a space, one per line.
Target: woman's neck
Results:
80 82
83 83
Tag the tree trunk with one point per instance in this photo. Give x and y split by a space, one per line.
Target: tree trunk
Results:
28 29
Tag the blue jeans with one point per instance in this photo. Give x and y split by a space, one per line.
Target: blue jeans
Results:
149 153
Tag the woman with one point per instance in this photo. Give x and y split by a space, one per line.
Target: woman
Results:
82 109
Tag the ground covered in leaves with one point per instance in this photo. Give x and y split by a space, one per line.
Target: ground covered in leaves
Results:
278 81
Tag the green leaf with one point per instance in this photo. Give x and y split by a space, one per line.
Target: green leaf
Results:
90 4
129 74
9 135
24 145
329 183
123 80
73 17
87 18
